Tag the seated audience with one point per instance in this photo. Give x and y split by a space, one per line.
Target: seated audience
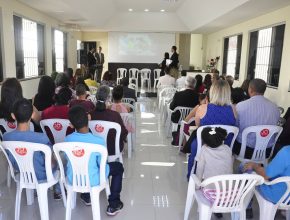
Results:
215 77
69 72
22 111
185 98
215 158
207 82
108 79
60 109
89 80
54 75
166 80
45 95
82 99
257 110
278 167
163 65
78 73
102 113
11 91
199 87
218 111
117 104
230 81
80 80
61 81
180 82
128 92
245 87
79 120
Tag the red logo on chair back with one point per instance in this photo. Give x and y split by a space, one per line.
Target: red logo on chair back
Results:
21 151
78 152
11 125
265 132
57 126
99 128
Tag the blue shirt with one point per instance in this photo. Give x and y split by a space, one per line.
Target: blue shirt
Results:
38 157
95 160
256 111
279 167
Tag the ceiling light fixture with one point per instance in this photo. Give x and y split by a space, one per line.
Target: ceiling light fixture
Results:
130 9
162 10
171 1
146 10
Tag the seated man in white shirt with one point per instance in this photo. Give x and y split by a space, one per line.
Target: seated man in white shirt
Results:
180 82
166 80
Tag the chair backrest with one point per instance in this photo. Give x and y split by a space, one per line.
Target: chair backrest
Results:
11 126
133 73
79 153
132 86
102 128
23 154
93 90
128 100
132 107
264 134
157 73
121 72
58 128
128 120
284 202
167 91
184 111
232 192
145 73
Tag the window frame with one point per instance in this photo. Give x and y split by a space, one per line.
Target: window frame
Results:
65 47
270 63
44 47
238 54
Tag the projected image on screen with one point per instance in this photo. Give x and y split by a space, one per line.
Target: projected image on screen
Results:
136 45
139 47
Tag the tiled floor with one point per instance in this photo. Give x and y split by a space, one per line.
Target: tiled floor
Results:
151 191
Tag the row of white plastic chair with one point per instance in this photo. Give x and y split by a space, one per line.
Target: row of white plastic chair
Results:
77 153
133 76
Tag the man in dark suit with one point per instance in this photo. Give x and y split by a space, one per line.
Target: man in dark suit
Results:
91 60
127 92
174 58
100 58
185 98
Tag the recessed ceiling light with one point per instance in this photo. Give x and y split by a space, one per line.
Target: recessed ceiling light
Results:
162 10
130 9
146 10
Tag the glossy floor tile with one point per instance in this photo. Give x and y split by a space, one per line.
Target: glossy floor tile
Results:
154 187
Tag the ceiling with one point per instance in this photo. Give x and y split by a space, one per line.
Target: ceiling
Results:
182 16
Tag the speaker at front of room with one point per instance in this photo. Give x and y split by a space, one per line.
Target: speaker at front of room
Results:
81 57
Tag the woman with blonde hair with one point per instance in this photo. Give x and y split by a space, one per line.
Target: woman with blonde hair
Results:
219 110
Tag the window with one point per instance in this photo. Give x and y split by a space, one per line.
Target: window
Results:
265 54
59 61
1 63
232 55
29 48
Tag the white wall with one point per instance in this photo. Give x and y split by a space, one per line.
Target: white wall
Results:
196 50
214 47
8 9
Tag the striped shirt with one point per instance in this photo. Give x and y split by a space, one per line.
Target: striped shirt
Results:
257 110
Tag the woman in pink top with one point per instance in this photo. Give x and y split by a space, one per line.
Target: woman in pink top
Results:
117 104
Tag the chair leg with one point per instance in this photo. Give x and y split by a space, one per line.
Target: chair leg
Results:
63 193
95 200
29 196
189 198
73 200
18 201
238 215
288 215
69 204
204 212
8 177
129 137
43 203
108 191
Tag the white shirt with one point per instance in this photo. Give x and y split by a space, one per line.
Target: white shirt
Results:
180 82
166 80
214 161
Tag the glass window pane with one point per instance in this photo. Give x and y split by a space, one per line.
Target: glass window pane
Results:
59 50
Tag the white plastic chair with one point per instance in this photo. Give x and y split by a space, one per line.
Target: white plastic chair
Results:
101 129
232 194
10 126
166 93
129 100
79 153
184 111
121 73
156 76
129 121
133 76
57 126
133 86
26 178
146 77
268 209
93 90
181 132
264 134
